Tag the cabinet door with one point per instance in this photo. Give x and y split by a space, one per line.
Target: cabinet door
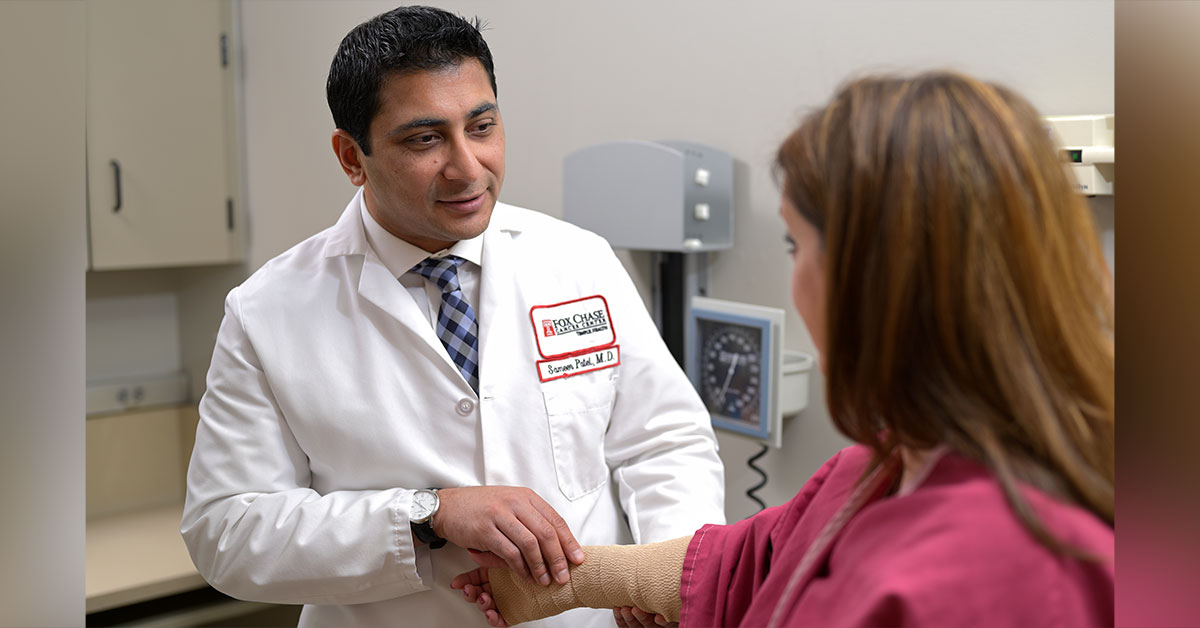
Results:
159 133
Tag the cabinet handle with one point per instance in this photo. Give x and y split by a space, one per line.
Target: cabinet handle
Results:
116 166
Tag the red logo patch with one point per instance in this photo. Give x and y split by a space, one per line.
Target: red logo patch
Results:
547 327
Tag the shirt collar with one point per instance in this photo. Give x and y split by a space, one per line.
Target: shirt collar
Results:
399 256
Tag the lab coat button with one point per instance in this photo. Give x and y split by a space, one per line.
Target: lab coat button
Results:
465 406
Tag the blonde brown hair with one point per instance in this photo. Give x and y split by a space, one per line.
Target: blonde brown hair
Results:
968 300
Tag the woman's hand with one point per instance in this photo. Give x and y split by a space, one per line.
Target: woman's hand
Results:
477 589
629 617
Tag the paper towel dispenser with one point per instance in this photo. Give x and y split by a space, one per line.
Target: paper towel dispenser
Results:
658 196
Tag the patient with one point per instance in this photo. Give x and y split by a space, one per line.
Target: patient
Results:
952 281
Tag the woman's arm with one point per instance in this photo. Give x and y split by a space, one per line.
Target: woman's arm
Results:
641 576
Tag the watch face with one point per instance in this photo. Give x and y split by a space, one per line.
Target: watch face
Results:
423 505
731 369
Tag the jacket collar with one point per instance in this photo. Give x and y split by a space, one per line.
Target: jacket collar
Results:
347 236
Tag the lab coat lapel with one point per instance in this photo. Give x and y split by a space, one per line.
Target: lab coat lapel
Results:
376 284
507 404
499 325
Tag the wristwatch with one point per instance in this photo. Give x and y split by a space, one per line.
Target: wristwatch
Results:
425 504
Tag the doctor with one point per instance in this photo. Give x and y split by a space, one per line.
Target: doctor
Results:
435 373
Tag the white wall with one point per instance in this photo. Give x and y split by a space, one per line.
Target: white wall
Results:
43 253
132 336
733 75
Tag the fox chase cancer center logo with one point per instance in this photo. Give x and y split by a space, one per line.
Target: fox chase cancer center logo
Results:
573 326
581 324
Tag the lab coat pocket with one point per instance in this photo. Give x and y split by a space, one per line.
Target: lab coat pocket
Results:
578 413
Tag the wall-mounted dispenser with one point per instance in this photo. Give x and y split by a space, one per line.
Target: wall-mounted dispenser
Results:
652 196
1087 144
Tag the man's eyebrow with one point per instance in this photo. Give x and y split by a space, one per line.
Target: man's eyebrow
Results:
418 123
481 109
436 122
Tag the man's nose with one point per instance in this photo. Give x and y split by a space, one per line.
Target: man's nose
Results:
462 163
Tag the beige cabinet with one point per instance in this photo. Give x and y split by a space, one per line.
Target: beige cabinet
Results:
162 158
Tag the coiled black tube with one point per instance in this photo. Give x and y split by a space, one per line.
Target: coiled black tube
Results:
763 474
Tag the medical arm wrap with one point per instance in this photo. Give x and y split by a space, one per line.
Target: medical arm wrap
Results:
642 576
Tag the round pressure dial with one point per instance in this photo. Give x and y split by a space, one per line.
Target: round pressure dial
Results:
730 369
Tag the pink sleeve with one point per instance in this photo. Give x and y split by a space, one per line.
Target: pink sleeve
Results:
725 565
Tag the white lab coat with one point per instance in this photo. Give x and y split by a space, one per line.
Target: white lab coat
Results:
330 398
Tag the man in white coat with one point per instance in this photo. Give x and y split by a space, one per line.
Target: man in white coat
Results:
436 368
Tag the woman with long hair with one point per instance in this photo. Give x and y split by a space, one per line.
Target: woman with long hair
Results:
953 284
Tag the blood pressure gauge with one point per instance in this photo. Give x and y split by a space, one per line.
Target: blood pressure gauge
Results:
733 360
731 364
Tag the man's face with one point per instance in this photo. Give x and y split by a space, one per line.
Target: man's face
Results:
437 155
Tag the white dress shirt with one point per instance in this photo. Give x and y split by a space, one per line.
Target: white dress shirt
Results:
399 257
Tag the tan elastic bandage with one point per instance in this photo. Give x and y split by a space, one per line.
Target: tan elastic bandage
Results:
642 576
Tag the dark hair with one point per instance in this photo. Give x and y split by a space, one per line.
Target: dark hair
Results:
968 302
405 39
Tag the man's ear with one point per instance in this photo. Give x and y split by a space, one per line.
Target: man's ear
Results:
350 156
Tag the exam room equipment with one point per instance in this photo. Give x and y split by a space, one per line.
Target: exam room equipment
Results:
675 199
672 198
1087 145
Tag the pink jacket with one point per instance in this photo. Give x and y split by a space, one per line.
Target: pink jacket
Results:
951 553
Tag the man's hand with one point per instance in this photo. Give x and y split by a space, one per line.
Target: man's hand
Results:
508 526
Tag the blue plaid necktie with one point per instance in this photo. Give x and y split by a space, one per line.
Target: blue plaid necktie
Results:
456 326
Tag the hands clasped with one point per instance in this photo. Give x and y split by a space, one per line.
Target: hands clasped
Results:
640 582
508 526
477 589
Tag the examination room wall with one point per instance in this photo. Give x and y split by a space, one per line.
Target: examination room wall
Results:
735 76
